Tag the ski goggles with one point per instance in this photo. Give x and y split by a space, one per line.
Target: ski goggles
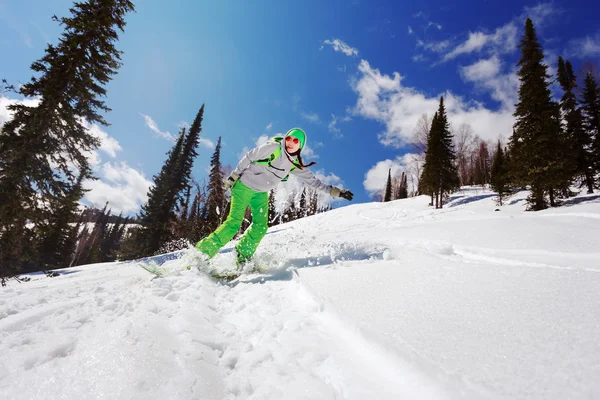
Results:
290 139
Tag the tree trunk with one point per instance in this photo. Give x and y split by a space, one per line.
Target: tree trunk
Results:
589 179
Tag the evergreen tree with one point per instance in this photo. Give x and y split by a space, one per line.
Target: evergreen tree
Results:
56 236
158 211
194 221
273 220
215 203
440 175
536 142
43 148
449 179
403 191
590 107
499 175
426 183
303 210
93 247
111 240
289 210
183 171
481 172
388 187
578 148
314 202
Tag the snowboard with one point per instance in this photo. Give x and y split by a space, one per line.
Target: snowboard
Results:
161 271
233 275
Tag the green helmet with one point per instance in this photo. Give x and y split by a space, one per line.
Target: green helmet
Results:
299 134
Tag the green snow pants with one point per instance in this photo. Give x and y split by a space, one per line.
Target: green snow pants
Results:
241 197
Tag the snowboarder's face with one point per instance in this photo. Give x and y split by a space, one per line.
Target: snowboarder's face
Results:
292 144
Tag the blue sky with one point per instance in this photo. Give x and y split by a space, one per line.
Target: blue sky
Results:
356 75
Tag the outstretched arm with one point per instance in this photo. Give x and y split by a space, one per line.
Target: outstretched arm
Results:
311 180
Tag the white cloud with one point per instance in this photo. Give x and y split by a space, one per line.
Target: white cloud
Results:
207 143
376 177
182 124
540 14
333 125
311 117
259 142
487 74
588 46
108 144
262 140
410 31
308 153
384 99
340 46
269 127
504 39
481 70
418 58
434 24
436 47
123 187
5 114
475 42
154 127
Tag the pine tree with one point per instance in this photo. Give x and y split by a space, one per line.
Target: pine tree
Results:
92 252
112 239
194 221
449 178
43 148
289 210
183 171
578 140
314 202
303 210
57 236
158 211
440 175
481 172
388 187
427 181
499 175
273 217
590 107
403 191
215 203
536 142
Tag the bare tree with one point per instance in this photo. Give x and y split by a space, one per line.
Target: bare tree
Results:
464 141
421 132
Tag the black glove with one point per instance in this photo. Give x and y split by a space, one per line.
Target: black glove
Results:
343 193
346 194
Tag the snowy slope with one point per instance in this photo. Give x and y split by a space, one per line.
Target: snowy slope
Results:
369 301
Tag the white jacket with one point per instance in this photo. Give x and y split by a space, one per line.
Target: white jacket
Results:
263 178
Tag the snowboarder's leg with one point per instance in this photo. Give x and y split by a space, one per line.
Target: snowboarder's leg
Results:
259 205
240 197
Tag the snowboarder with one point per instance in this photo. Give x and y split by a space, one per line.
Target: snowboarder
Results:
259 171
